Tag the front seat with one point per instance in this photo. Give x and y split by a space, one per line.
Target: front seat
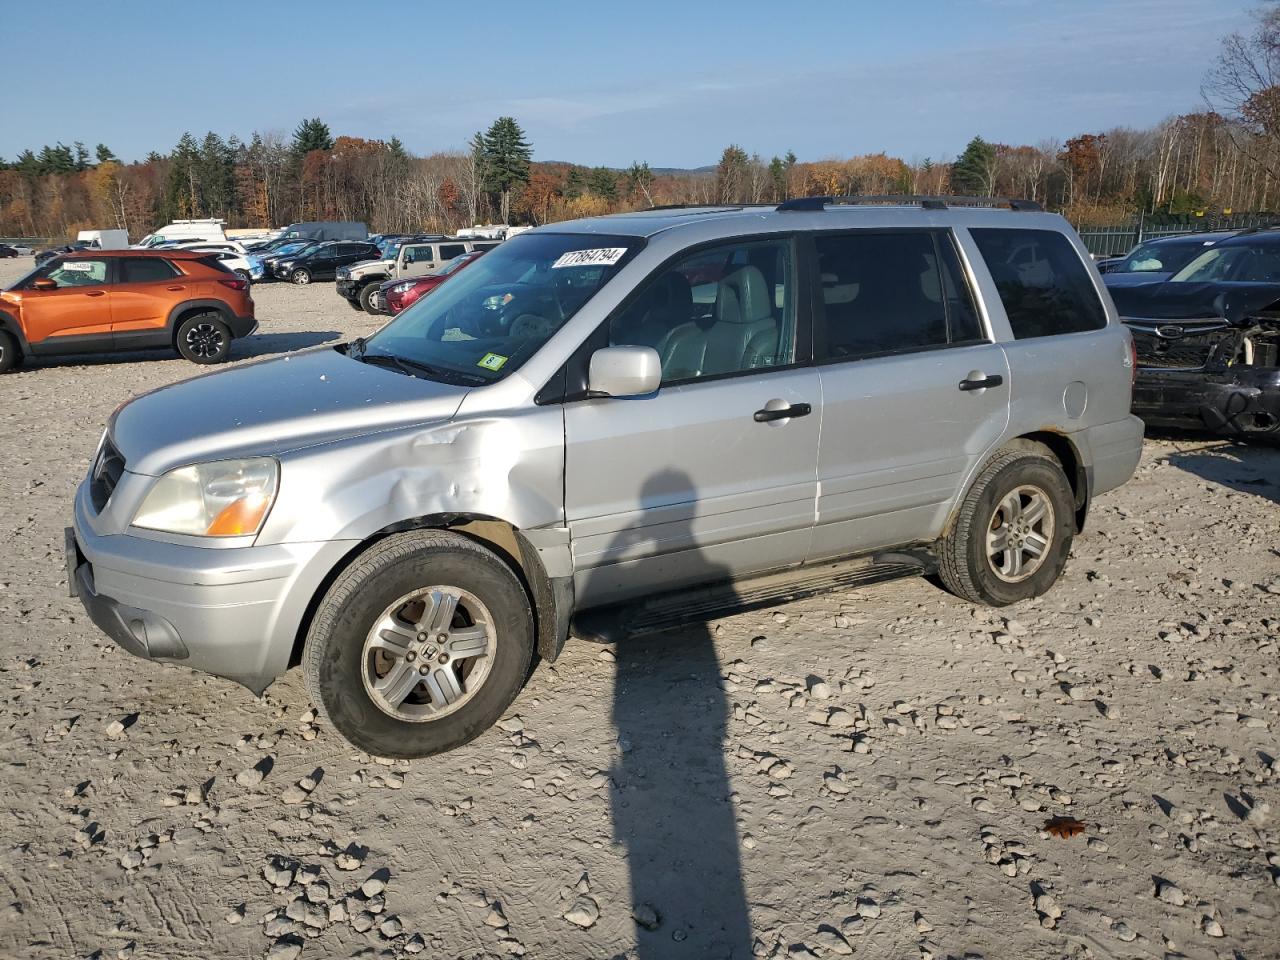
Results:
744 334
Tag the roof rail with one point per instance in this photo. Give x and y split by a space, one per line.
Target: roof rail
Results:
928 203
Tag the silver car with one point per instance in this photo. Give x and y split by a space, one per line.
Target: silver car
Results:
614 426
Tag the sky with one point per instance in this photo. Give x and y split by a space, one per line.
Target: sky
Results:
608 83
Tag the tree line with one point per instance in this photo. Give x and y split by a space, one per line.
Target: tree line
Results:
1224 158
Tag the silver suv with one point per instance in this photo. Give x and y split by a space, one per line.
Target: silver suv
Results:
614 426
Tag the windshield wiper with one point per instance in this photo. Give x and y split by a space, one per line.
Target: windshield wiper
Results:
415 367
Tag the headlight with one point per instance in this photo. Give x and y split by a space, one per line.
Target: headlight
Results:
403 287
284 264
226 498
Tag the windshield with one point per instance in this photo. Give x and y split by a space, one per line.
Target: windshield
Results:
1241 263
289 248
1159 257
482 325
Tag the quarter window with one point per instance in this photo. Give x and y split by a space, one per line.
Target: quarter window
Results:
451 250
885 292
1042 282
145 270
723 310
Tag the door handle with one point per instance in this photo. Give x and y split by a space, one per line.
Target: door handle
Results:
992 381
783 413
94 293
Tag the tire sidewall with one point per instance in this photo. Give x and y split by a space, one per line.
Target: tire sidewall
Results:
1046 475
301 277
221 356
337 665
366 297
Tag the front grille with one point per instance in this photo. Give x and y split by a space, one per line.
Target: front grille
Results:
1173 346
106 473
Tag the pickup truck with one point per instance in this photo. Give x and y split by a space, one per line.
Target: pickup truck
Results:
358 284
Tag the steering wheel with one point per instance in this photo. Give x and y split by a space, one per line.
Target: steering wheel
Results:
532 325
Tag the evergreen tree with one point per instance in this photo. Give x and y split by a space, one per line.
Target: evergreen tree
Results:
27 164
778 174
57 159
81 157
640 179
216 174
181 199
505 154
397 150
311 135
603 182
969 172
104 155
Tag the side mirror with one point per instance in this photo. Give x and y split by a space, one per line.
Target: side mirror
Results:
624 372
44 283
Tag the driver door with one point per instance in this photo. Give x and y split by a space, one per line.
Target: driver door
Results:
715 475
79 307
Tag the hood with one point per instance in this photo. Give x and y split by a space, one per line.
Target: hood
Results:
1233 302
1129 279
267 408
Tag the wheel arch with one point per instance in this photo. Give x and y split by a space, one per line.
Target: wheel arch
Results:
9 323
189 308
1068 455
551 598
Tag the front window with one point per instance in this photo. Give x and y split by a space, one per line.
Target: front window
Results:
79 272
491 318
1241 263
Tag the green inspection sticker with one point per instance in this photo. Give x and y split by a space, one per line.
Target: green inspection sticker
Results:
492 361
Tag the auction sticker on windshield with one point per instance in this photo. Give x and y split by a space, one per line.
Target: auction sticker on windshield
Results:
595 257
492 361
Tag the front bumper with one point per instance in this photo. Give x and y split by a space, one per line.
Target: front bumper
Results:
348 288
1236 401
234 612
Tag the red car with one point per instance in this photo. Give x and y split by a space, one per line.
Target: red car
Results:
395 295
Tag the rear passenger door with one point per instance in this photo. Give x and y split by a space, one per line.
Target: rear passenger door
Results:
146 289
712 476
1069 366
914 389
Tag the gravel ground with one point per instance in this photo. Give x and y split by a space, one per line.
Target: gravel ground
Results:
866 772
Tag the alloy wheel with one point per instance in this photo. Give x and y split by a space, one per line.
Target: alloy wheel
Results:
204 340
1020 533
428 653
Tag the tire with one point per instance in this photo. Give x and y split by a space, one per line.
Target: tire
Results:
350 675
366 297
10 353
244 275
301 276
971 563
204 338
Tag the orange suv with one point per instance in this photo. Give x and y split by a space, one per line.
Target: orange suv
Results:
95 301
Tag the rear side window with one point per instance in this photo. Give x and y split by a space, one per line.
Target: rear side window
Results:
887 292
145 270
450 250
1042 282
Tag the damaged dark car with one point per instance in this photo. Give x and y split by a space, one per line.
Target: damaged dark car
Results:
1208 339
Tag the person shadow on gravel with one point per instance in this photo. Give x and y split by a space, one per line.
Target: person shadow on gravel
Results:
671 796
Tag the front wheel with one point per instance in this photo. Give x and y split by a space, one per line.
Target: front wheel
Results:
301 276
368 293
420 645
204 338
1012 535
10 355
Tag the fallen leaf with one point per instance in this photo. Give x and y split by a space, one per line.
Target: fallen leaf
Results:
1064 828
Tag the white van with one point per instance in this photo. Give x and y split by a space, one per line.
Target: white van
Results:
185 230
104 239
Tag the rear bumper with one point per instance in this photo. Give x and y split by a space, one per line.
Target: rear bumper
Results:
1237 401
242 326
1114 451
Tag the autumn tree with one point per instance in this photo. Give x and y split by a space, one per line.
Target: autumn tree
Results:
640 180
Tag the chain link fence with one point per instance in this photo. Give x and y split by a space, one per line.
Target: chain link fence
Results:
1117 239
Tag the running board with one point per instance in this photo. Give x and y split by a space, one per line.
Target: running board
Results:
670 611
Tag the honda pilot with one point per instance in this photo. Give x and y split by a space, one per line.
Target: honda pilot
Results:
610 427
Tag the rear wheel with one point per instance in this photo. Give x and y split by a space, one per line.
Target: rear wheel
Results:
10 354
204 338
420 645
1012 535
301 276
367 293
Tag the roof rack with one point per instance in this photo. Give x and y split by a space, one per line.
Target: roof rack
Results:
928 203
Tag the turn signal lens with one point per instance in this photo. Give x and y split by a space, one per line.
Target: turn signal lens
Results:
240 518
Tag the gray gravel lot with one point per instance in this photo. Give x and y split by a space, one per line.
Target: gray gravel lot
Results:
867 772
